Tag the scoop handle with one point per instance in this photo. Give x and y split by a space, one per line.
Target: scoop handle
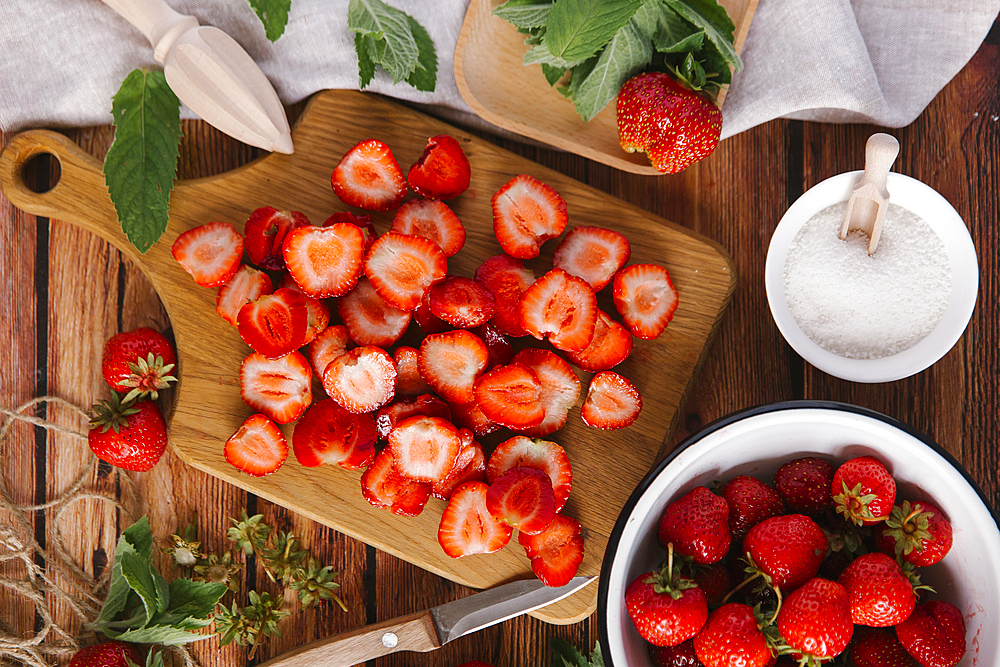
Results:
880 152
156 20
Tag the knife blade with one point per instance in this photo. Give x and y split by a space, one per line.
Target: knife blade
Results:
430 629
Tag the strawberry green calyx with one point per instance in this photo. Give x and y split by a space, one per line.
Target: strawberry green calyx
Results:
112 414
147 377
908 526
854 505
669 580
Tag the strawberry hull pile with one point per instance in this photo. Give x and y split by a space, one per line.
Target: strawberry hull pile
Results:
383 361
820 566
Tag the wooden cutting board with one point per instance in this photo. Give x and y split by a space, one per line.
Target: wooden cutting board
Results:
208 408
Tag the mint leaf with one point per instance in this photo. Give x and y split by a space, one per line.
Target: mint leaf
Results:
540 55
140 536
273 14
424 77
709 16
138 573
395 48
565 654
552 74
524 14
366 66
669 32
118 589
190 600
629 52
577 29
160 634
140 165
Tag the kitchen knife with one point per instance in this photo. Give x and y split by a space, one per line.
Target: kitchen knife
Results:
212 74
430 629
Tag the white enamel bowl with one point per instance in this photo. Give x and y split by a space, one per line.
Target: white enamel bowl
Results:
925 202
757 441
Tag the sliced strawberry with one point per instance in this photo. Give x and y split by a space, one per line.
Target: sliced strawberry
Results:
275 324
369 319
500 349
361 380
325 261
451 362
211 253
612 402
425 448
404 408
511 396
611 345
368 176
402 268
562 308
246 286
526 213
470 466
560 388
507 279
327 346
442 171
469 416
542 455
363 222
280 388
645 298
467 527
386 488
317 318
327 433
428 322
556 552
592 253
257 448
433 220
409 382
522 498
265 231
462 302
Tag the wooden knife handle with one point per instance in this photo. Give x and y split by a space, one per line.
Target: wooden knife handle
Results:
415 632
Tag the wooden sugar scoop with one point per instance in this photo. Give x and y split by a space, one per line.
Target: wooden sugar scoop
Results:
869 200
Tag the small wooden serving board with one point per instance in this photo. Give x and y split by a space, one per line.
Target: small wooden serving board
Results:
208 408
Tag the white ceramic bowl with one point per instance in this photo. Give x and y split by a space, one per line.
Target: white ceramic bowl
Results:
756 442
925 202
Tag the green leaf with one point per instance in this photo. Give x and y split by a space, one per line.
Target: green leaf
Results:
524 14
552 74
140 536
190 601
669 32
140 166
540 55
273 14
161 634
628 53
565 654
136 540
138 572
577 29
709 16
424 77
395 48
366 66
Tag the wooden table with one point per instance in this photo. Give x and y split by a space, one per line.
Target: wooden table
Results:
67 291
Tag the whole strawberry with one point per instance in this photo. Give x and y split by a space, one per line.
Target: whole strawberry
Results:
879 647
788 549
934 634
863 490
750 502
881 594
815 620
804 484
137 363
665 608
673 124
919 533
106 654
132 436
732 636
697 524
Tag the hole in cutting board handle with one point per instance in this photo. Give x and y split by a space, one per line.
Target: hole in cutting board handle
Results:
41 172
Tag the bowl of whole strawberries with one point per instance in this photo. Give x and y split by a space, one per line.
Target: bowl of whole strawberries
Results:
799 533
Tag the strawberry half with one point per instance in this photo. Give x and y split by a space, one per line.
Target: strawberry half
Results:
385 487
368 176
645 298
317 318
562 308
325 261
402 268
369 319
432 220
425 448
470 466
280 388
409 382
442 171
611 345
592 253
612 402
362 222
542 455
467 527
257 448
211 253
556 552
401 409
560 388
361 380
326 347
522 498
275 324
526 213
327 433
511 396
462 302
451 362
265 231
507 279
246 286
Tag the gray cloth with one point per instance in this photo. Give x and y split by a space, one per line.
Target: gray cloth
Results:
877 61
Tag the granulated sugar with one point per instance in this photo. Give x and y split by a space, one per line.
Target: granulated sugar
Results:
864 307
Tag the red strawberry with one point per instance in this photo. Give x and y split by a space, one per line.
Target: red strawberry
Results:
411 406
368 176
265 231
673 124
132 436
467 527
327 433
469 416
879 647
107 654
511 396
645 298
934 634
325 261
275 324
402 268
732 636
881 595
317 318
211 253
612 402
713 580
697 525
592 253
611 345
138 363
787 548
543 455
919 533
280 388
363 221
682 655
816 620
326 347
385 487
750 502
434 221
451 362
246 286
507 279
560 388
369 319
556 552
462 302
527 213
522 497
562 308
470 466
428 322
442 171
257 448
500 349
863 490
804 484
409 382
425 448
665 608
361 380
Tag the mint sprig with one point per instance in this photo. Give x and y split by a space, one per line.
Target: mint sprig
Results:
565 654
273 14
393 40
